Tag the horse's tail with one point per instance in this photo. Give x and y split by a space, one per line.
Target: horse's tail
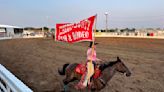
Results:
62 71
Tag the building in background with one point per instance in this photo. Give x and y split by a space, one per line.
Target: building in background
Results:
11 32
7 31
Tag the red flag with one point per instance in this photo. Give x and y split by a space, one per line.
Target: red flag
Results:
75 32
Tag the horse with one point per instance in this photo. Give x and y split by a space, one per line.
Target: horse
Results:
108 70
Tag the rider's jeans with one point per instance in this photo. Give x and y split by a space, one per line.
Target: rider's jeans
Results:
90 72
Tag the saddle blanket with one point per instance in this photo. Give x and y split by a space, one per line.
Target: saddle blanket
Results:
81 69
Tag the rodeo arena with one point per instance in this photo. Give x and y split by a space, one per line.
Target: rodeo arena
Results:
54 59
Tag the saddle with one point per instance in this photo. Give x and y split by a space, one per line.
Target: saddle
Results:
81 69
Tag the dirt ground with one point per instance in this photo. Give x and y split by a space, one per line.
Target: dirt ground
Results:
35 62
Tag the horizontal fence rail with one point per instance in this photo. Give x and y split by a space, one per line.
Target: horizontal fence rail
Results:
130 35
10 83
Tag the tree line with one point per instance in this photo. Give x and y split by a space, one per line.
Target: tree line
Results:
117 30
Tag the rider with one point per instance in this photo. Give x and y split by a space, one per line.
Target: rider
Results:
92 60
92 56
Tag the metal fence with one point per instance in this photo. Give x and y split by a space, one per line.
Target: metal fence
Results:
10 83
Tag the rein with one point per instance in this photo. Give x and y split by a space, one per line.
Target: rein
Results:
102 82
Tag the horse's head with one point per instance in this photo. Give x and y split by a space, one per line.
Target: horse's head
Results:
122 68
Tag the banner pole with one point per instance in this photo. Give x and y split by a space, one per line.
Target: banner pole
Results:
90 64
94 30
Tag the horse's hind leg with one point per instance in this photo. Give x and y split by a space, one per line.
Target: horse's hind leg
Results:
68 79
65 82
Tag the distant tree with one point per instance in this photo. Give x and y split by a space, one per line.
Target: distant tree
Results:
45 28
122 30
97 30
158 28
52 29
116 29
133 29
112 30
149 29
107 30
102 30
126 29
28 28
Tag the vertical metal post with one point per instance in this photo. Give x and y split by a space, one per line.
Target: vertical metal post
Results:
106 15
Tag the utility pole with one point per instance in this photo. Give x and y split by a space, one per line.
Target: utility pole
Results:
106 15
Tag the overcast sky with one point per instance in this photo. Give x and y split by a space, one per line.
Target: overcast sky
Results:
122 13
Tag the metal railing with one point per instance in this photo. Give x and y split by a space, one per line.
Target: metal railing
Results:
10 83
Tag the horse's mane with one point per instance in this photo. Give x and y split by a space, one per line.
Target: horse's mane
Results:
107 64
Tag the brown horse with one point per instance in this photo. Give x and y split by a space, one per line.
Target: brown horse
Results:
108 70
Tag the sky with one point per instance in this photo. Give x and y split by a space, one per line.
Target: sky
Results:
121 13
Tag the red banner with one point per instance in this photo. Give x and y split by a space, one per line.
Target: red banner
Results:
75 32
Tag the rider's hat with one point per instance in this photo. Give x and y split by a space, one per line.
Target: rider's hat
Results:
90 45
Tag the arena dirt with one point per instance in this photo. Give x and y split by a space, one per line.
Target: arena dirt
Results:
36 61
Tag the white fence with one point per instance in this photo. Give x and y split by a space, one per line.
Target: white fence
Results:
9 82
157 35
21 36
